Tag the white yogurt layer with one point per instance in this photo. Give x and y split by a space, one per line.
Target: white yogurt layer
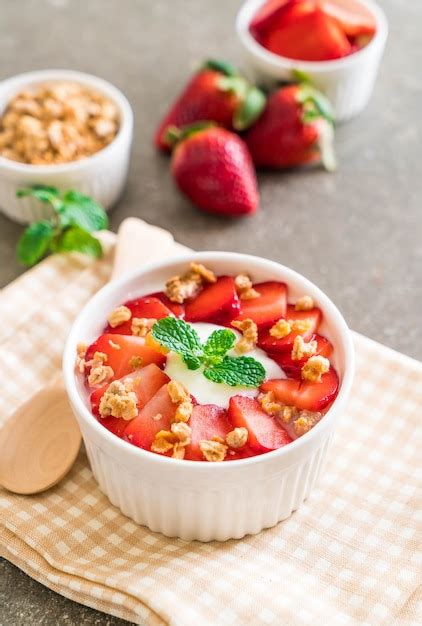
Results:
207 392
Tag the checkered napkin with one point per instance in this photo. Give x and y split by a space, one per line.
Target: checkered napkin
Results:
348 556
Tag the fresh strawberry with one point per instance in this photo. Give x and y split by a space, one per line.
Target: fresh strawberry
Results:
265 433
156 415
148 307
146 382
206 422
295 129
213 168
118 358
269 307
293 368
353 17
272 345
304 394
115 425
217 303
216 93
177 309
313 36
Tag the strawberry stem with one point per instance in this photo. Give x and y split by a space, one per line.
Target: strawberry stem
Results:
326 146
220 66
175 135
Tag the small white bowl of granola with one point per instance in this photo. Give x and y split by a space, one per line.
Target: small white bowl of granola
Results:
65 129
177 443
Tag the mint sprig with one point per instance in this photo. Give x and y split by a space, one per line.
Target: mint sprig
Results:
180 337
75 217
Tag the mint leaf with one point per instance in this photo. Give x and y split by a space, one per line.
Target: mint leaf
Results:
179 336
244 371
80 210
76 239
218 343
43 193
193 362
35 242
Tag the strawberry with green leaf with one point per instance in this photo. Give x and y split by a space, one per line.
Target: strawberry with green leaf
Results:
296 128
216 93
75 217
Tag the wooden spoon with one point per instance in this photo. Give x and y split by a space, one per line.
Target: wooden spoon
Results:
41 440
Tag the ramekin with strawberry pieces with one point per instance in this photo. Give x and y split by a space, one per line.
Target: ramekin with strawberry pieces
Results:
213 368
199 360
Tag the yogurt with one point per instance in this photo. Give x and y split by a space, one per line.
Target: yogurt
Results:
207 392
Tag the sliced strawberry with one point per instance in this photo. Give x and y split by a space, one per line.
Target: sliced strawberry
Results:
291 367
353 17
269 307
177 309
265 433
142 429
120 349
146 382
206 422
272 345
148 307
115 425
312 36
303 394
276 13
217 303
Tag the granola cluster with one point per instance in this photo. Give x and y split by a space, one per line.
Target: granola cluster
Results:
179 435
249 331
300 421
244 287
181 288
281 329
57 123
119 400
119 316
302 349
304 303
314 368
142 325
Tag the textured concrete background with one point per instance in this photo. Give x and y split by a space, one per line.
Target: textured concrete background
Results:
356 233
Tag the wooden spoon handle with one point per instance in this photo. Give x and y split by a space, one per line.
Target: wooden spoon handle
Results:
139 243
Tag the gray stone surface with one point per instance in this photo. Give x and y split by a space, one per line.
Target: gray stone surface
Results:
356 233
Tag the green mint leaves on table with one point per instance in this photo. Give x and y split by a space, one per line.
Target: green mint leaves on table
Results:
75 217
180 337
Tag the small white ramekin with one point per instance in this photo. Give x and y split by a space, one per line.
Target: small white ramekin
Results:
194 499
101 176
348 82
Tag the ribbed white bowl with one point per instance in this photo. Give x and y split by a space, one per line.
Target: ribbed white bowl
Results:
348 82
101 176
200 500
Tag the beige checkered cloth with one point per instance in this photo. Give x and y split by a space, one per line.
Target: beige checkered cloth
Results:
348 556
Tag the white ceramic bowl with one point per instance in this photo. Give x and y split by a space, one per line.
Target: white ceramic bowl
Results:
101 175
348 82
194 499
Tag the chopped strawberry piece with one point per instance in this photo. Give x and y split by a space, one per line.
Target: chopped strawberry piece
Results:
177 309
353 17
120 349
269 307
291 367
115 425
265 433
156 415
146 382
217 303
272 345
148 307
312 36
206 422
304 394
276 13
